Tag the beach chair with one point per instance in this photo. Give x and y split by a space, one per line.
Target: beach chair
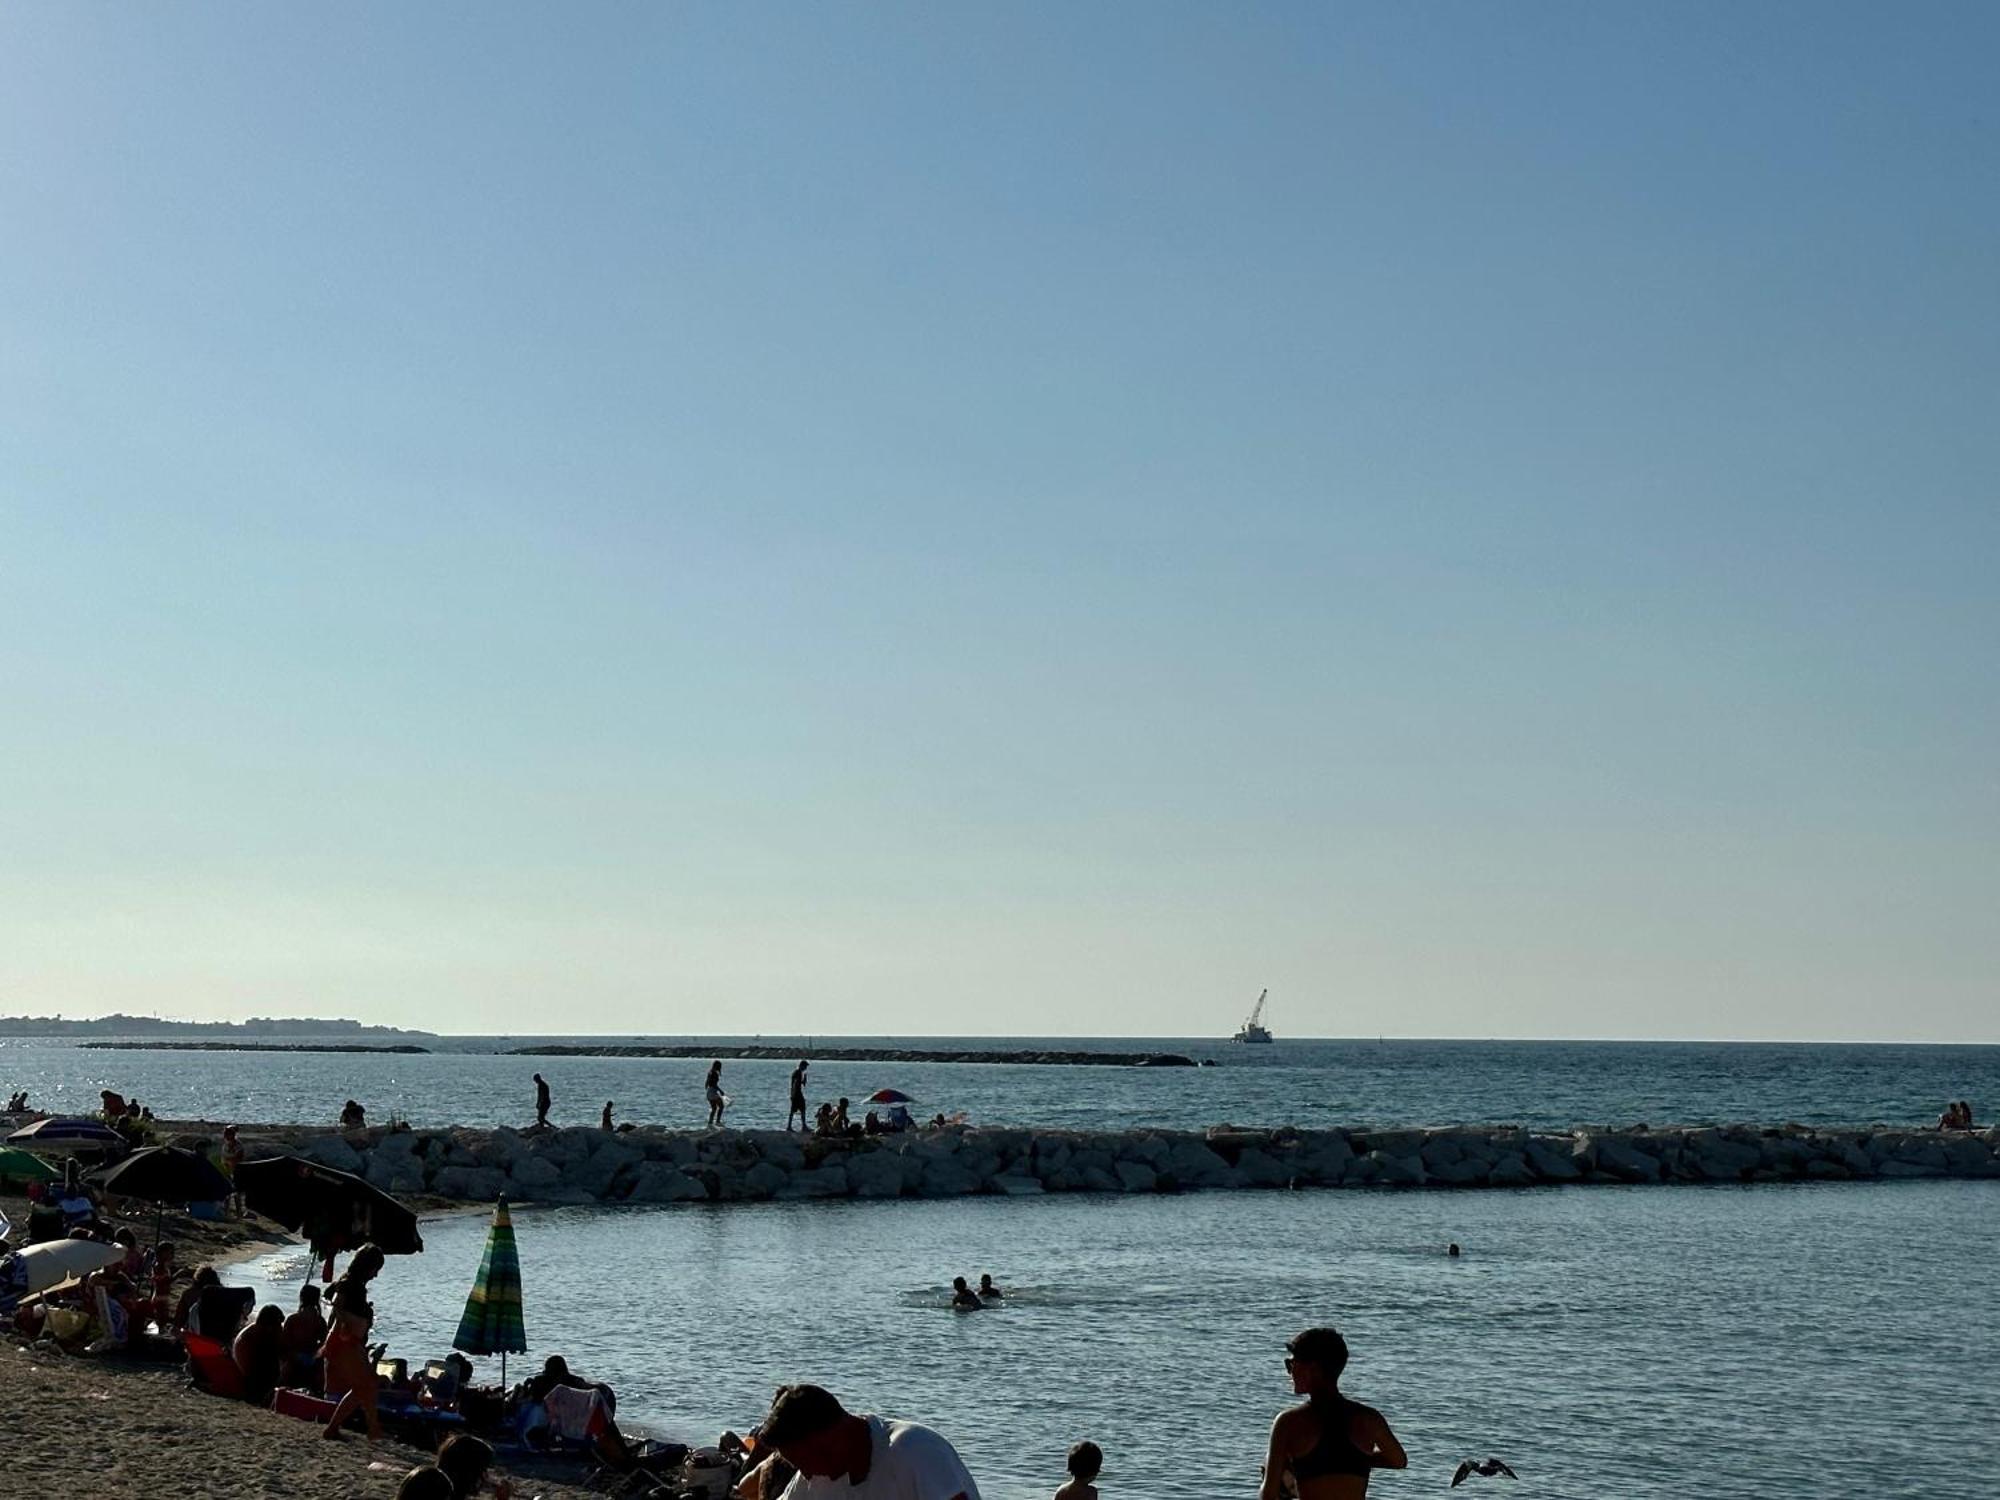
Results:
211 1367
577 1417
115 1329
221 1311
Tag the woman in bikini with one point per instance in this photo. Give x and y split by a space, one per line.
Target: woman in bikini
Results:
1329 1444
348 1369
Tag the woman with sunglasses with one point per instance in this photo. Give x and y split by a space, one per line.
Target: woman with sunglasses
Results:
1329 1444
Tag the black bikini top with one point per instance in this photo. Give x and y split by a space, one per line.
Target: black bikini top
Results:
1336 1452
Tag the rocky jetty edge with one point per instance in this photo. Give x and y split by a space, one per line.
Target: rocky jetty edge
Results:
652 1165
1043 1056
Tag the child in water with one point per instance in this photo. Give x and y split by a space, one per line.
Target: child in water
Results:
1085 1459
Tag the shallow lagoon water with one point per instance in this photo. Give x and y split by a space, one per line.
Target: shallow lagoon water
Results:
1773 1341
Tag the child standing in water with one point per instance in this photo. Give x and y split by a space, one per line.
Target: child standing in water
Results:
1085 1459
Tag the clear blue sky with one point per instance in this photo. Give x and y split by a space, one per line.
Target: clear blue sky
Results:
1007 519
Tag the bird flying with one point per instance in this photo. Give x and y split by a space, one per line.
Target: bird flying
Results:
1486 1468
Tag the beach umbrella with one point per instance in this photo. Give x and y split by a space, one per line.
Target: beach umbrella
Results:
54 1134
17 1165
335 1210
889 1096
492 1322
163 1175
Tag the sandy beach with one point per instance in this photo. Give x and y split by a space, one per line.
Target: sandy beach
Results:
137 1432
142 1430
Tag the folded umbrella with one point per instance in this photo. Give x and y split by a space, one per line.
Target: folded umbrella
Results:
335 1210
491 1323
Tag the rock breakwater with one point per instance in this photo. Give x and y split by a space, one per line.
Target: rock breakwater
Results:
654 1165
1045 1056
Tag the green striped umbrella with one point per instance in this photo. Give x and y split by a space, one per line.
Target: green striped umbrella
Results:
492 1320
17 1165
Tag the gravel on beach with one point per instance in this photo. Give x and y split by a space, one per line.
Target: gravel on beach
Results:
118 1431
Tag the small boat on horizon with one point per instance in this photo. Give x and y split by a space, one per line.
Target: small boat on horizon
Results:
1253 1030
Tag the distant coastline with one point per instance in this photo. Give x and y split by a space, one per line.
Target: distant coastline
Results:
153 1026
397 1048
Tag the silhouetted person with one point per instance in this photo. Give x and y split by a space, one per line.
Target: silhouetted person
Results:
1086 1462
717 1100
840 1455
963 1297
798 1105
1329 1444
607 1114
541 1101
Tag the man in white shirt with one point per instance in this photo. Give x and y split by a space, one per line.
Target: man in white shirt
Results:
844 1457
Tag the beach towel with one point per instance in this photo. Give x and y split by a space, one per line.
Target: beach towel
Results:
576 1415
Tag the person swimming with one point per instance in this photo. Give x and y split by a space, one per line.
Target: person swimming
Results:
987 1289
1085 1463
1329 1444
963 1297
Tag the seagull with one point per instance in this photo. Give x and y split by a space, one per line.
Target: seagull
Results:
1487 1468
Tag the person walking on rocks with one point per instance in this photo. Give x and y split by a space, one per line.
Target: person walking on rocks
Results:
541 1102
717 1100
798 1095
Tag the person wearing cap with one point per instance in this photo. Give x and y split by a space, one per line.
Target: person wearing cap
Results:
841 1456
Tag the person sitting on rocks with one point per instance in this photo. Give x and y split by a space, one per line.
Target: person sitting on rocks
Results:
871 1123
963 1297
840 1126
823 1120
353 1116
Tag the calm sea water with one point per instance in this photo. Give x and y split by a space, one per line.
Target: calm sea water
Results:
1771 1342
1291 1082
1776 1342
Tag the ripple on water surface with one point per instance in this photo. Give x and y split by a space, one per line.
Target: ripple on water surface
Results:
1654 1342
